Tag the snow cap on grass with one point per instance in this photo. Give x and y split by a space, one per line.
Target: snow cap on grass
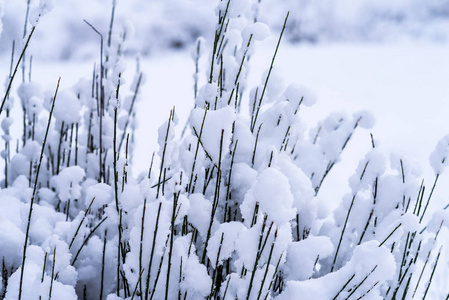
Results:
113 297
67 107
234 39
302 255
31 150
274 87
199 213
62 259
365 119
157 215
297 94
243 177
196 281
410 222
439 157
379 256
33 287
439 218
245 141
272 192
102 193
206 95
336 131
216 122
198 50
380 267
408 167
6 123
47 195
35 106
11 236
131 197
182 208
371 167
43 223
27 90
258 30
45 6
223 241
67 183
301 189
235 9
166 134
246 247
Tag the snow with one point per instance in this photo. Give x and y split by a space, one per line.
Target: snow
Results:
216 125
297 95
234 9
224 239
380 267
67 183
399 68
439 218
197 282
28 90
438 158
302 256
69 109
11 236
101 192
237 200
199 213
259 31
271 192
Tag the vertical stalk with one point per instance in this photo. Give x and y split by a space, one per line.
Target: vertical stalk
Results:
102 265
11 79
52 274
170 252
34 191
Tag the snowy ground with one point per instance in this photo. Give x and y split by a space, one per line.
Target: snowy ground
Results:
403 85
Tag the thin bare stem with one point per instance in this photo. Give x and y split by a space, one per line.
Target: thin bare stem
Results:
11 79
25 244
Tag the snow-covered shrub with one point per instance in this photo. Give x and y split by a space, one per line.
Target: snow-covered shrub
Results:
230 211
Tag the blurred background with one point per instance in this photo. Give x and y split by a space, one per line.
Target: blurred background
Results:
155 25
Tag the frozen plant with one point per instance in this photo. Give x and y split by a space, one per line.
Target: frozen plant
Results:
230 211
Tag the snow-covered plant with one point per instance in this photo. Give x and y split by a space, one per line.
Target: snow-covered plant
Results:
65 171
249 173
230 211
